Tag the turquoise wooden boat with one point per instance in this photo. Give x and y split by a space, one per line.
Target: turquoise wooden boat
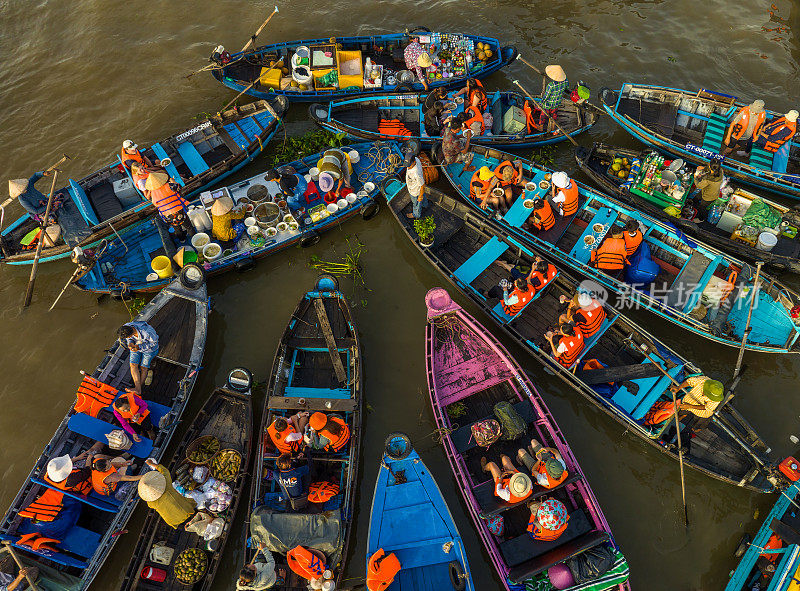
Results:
692 125
410 518
687 279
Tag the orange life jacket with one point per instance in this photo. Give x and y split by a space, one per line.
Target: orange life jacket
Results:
83 487
590 364
498 172
544 218
574 347
523 297
611 255
127 158
393 127
279 438
503 482
545 278
93 396
632 242
129 414
551 482
168 201
381 570
476 116
773 128
571 199
773 543
36 541
545 535
46 507
322 492
306 564
483 100
484 187
337 442
139 176
530 121
590 321
741 126
98 481
659 412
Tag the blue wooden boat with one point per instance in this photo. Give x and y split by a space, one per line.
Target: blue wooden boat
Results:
474 252
180 317
410 518
105 202
693 285
241 70
125 265
770 561
361 117
692 125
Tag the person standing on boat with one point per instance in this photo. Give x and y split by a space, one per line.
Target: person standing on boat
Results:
565 194
260 574
776 133
33 200
510 484
454 148
708 179
554 85
141 340
130 154
744 128
415 183
703 398
417 59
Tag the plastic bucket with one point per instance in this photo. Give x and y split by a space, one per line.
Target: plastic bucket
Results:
766 241
199 240
162 266
314 172
212 251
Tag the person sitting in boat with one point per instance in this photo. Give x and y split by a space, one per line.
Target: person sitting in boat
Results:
131 154
549 519
335 164
544 463
141 340
565 194
611 256
139 174
382 568
455 145
293 476
292 186
480 189
703 397
9 582
708 180
542 273
223 216
510 484
261 573
633 237
570 343
584 312
554 85
777 132
520 296
508 176
160 189
35 202
434 118
532 116
438 94
542 218
474 95
327 432
155 488
109 476
473 121
744 128
417 59
133 416
286 434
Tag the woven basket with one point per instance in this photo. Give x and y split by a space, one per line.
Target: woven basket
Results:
237 472
194 445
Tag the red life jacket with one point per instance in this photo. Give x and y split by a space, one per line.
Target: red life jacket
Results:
476 116
545 535
36 541
740 127
523 297
322 492
381 570
127 159
571 199
98 481
574 347
632 242
393 127
305 563
337 442
551 482
129 414
590 321
484 187
611 255
661 411
545 278
498 172
279 438
772 132
93 396
544 218
168 201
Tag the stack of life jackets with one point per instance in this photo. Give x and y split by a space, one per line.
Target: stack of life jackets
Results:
305 563
168 202
93 396
381 570
661 411
322 492
523 298
50 503
393 127
337 442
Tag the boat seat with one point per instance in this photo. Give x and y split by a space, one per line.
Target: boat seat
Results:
159 151
78 541
687 280
618 374
715 132
463 440
237 135
423 554
424 578
784 531
104 201
605 216
592 340
637 403
505 318
480 261
157 411
760 158
97 430
521 549
192 158
655 393
104 503
301 392
541 563
491 504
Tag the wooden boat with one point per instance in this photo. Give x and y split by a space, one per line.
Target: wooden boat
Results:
785 255
126 263
693 125
771 558
697 287
349 62
180 316
468 368
227 415
361 118
474 253
410 518
317 368
105 202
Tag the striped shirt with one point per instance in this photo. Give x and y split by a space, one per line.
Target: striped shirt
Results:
553 93
696 396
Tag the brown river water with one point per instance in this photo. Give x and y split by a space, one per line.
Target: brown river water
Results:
79 77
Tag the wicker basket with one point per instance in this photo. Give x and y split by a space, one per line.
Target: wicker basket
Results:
233 476
194 445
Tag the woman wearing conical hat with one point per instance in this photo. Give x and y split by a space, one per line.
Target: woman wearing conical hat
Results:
169 203
33 200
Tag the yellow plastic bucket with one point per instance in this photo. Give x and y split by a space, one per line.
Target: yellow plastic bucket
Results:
162 266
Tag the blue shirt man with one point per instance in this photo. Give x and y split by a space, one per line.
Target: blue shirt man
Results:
34 201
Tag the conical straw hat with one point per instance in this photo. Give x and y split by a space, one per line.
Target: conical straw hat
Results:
222 206
156 180
152 486
16 187
555 72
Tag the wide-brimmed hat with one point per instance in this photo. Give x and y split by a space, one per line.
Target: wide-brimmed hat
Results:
560 179
156 180
59 468
16 187
129 145
317 421
552 514
584 299
555 72
757 106
326 181
152 486
713 390
424 60
222 206
791 116
484 173
520 484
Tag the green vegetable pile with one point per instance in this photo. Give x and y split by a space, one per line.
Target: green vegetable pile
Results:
191 565
203 452
225 465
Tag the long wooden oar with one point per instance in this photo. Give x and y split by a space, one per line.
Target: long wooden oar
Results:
543 75
42 236
553 119
10 550
747 327
261 28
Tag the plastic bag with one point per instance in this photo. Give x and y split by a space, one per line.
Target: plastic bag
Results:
213 529
591 564
119 440
512 424
761 215
200 473
199 523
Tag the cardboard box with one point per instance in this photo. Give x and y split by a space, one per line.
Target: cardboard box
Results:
514 121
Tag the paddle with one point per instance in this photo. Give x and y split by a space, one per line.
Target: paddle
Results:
35 266
553 119
76 273
258 32
7 546
747 327
543 75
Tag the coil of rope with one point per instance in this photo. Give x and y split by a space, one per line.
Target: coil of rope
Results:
380 162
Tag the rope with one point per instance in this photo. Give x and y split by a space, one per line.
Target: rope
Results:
381 162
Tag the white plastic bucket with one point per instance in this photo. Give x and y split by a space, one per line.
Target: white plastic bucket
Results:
314 172
342 203
766 241
200 240
354 156
212 251
249 222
